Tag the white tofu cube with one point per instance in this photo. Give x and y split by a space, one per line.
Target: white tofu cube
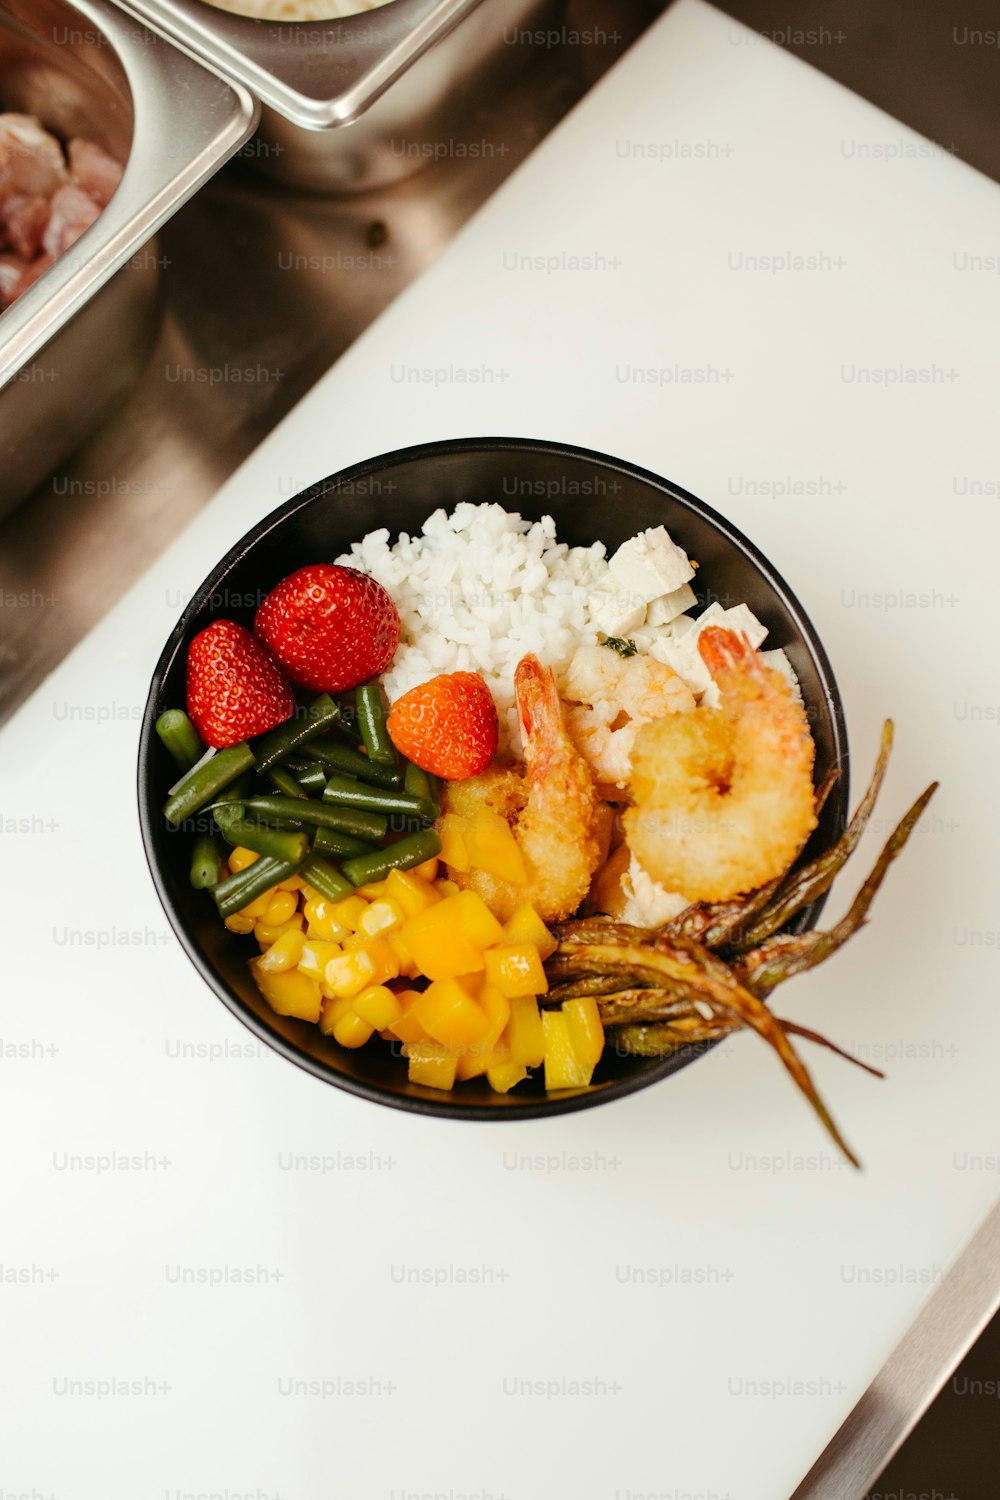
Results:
668 606
683 656
617 612
650 565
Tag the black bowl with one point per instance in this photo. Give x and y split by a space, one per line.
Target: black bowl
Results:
591 496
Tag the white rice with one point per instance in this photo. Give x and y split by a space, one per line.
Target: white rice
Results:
477 590
295 10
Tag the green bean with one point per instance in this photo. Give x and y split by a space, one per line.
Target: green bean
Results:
400 856
310 776
370 702
326 878
272 747
296 813
274 842
207 859
239 890
347 761
285 782
345 793
206 781
340 845
180 737
417 783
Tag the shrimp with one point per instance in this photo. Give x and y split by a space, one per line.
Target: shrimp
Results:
724 796
551 806
616 697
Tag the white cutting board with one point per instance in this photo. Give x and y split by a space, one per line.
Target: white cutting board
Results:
481 1286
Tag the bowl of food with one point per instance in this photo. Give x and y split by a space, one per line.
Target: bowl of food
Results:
525 778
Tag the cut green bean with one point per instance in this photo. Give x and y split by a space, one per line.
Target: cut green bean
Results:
326 878
312 779
339 845
370 701
417 783
206 781
346 761
345 793
243 833
360 823
278 743
239 890
403 855
207 861
180 737
285 782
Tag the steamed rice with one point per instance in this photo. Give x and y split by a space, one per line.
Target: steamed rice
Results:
295 10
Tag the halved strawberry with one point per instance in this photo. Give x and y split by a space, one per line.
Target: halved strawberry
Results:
331 628
447 726
235 689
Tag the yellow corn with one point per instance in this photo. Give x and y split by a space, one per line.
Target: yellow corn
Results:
239 858
316 955
412 892
284 952
288 992
266 934
350 911
378 1006
428 870
372 891
353 972
380 916
282 905
323 921
351 1031
332 1011
239 923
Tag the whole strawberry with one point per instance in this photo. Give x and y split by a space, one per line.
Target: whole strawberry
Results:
235 688
331 628
447 726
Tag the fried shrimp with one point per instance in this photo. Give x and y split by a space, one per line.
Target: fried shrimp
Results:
551 806
612 698
724 797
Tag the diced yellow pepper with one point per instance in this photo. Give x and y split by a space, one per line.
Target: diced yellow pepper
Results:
332 1011
448 1013
351 1031
240 858
480 1056
381 916
516 969
350 911
266 934
438 941
413 893
563 1068
478 922
378 1006
492 847
428 870
372 891
526 926
408 1028
289 993
282 906
316 955
353 972
239 923
503 1074
323 922
284 953
431 1064
583 1016
524 1034
451 830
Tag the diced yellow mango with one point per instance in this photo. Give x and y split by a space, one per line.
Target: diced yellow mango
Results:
526 926
316 955
332 1011
372 891
284 953
378 1006
451 830
480 1056
407 967
289 993
491 846
350 911
381 916
497 1008
239 923
351 1031
583 1017
408 1028
449 1014
240 858
266 934
282 906
563 1068
503 1074
323 922
428 870
439 943
478 922
524 1034
431 1064
413 893
516 969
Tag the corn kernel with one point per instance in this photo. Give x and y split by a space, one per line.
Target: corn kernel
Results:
428 870
412 891
240 858
372 891
283 954
280 908
239 923
266 934
478 922
378 1006
289 993
332 1010
350 911
351 1031
448 1013
256 909
380 916
430 1064
492 847
316 955
293 883
353 972
516 969
526 926
323 921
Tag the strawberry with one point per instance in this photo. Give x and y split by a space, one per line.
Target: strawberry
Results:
331 628
235 688
447 726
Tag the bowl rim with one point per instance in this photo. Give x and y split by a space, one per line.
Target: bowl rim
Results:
446 1107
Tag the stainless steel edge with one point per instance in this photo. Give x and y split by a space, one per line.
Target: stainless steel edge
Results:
946 1328
156 180
367 52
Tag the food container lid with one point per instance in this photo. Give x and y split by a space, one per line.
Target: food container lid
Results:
188 122
315 73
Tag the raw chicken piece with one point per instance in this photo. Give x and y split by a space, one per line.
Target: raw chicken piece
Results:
31 160
94 170
72 212
23 221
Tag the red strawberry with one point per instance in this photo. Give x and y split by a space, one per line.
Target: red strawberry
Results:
235 688
448 726
330 627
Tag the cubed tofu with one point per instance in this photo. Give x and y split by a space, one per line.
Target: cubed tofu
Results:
650 565
668 606
617 611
